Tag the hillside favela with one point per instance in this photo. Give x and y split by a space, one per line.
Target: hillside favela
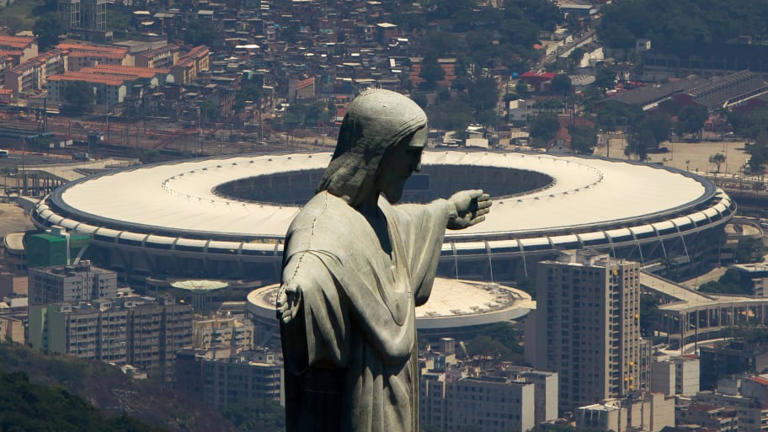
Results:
158 156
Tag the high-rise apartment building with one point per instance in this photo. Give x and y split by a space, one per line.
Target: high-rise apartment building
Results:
70 284
587 326
138 331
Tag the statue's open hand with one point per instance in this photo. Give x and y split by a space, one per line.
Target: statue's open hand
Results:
471 208
288 301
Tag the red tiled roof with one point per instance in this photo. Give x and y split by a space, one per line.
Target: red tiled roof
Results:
88 77
131 71
18 42
36 61
10 53
86 54
88 50
305 83
195 53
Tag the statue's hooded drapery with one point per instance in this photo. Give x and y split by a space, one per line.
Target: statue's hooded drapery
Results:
351 352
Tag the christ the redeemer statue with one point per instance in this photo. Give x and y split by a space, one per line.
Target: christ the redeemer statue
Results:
354 269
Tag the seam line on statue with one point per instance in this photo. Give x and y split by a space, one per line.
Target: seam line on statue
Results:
311 237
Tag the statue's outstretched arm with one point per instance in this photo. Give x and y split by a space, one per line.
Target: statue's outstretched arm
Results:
471 206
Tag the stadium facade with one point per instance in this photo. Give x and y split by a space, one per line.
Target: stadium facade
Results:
225 218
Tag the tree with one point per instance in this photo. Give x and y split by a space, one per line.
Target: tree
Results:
613 115
256 415
575 57
47 28
560 84
28 406
749 250
732 282
431 73
751 124
306 114
201 33
640 141
209 111
521 88
249 91
658 123
483 94
583 139
78 98
605 78
717 159
499 340
544 128
682 25
691 119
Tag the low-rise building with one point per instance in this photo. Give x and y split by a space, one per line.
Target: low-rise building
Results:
519 110
676 375
11 329
11 284
515 399
191 64
731 357
226 334
490 403
108 90
33 73
710 417
163 57
83 55
227 380
650 412
20 48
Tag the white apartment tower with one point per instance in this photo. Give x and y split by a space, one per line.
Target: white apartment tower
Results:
587 326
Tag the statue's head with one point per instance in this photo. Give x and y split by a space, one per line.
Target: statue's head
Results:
379 145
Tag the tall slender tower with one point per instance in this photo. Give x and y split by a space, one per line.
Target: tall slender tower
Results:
95 15
588 326
83 14
70 13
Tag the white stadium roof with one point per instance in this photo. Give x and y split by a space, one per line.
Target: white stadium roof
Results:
178 198
452 303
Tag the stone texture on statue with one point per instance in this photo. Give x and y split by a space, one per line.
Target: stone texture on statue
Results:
355 267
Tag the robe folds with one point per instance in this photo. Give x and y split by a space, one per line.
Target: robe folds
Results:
351 351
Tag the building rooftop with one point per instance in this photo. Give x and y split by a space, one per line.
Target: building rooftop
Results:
90 50
125 72
89 78
18 42
452 303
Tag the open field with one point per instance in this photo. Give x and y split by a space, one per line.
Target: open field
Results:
695 156
690 156
13 219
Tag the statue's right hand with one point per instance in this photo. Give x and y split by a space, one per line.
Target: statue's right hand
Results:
288 301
